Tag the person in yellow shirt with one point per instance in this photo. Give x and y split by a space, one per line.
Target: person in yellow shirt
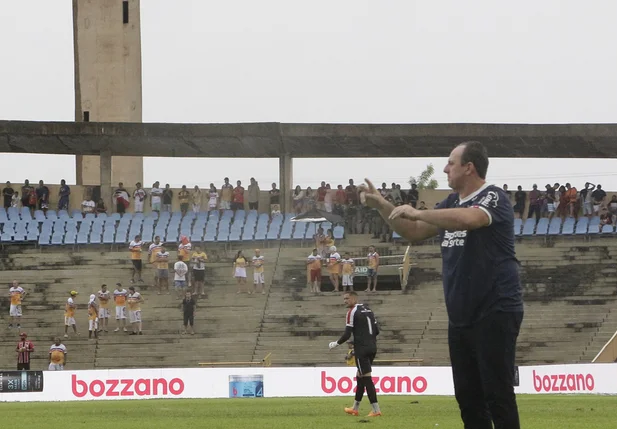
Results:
347 270
162 270
57 355
313 263
134 304
198 263
135 249
104 297
240 264
334 267
258 271
350 357
93 317
69 314
153 249
373 267
120 300
17 294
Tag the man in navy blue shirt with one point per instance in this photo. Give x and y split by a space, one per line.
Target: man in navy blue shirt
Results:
480 280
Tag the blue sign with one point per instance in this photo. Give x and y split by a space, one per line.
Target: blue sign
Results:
246 386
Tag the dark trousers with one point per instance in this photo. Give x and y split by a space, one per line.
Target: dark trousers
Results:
23 366
482 357
189 318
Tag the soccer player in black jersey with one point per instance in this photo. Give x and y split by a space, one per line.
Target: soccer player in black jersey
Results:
481 283
360 321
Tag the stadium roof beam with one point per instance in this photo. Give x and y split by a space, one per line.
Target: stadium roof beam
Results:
275 140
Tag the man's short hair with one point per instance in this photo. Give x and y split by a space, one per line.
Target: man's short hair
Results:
351 293
476 153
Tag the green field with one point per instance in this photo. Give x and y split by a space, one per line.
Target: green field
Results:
537 412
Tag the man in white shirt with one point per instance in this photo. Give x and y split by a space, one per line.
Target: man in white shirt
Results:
139 196
156 193
180 270
87 205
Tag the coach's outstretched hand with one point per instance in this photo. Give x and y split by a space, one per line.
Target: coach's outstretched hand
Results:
370 196
333 345
405 212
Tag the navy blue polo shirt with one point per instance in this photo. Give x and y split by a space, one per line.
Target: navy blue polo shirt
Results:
480 270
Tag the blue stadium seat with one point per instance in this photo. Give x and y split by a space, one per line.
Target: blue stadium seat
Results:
248 234
299 231
24 211
52 215
57 239
568 226
95 237
529 227
3 216
542 226
82 239
39 215
76 214
13 213
33 235
311 230
234 235
153 215
109 236
554 227
594 226
92 216
101 215
44 239
518 225
127 215
70 237
608 229
287 231
395 235
63 214
581 226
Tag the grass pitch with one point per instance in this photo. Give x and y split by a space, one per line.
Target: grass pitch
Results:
537 412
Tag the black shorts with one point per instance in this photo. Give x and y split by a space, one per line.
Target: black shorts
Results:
189 318
199 275
136 264
23 366
364 361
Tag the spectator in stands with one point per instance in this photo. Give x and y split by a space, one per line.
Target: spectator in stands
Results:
422 206
7 193
184 248
334 267
213 197
153 250
347 270
42 196
121 196
156 193
87 205
253 195
397 196
319 237
328 242
384 191
180 270
258 272
139 196
549 202
69 314
198 262
520 198
183 198
275 199
587 199
509 193
298 199
329 198
104 296
135 249
57 355
413 195
310 199
227 191
240 264
120 295
535 203
238 197
64 195
605 217
17 294
28 196
612 205
373 269
321 196
168 196
352 193
134 302
24 349
313 264
599 198
572 200
196 199
340 201
562 207
100 207
93 317
161 263
188 312
15 200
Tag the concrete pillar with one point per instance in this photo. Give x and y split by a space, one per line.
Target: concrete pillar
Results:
105 179
107 51
286 182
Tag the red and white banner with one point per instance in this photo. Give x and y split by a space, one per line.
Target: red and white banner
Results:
283 382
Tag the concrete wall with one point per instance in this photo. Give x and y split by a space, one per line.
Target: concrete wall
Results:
107 78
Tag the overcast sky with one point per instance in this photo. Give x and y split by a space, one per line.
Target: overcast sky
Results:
550 61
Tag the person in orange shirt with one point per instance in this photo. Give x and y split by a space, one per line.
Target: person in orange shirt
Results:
17 295
120 300
373 267
69 315
313 263
334 267
572 200
135 249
